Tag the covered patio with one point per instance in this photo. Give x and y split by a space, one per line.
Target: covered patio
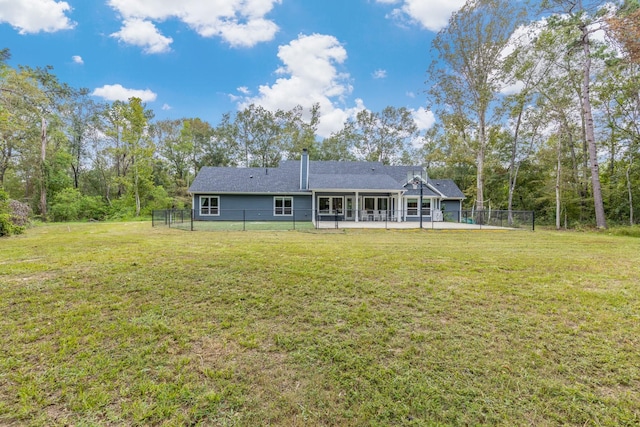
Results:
393 225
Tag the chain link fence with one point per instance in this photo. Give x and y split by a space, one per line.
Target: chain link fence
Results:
253 219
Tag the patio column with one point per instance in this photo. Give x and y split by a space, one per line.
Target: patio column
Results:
357 208
313 207
399 207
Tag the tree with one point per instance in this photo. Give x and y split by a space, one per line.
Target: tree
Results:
618 97
79 116
33 95
261 138
468 74
624 27
586 20
380 137
175 144
139 148
335 147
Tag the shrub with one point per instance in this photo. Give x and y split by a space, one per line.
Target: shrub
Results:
20 213
158 199
630 231
11 222
70 205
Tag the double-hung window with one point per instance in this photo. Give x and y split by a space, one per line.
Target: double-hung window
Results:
412 207
283 206
209 205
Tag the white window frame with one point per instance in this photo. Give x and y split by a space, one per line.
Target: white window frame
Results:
333 210
426 207
210 198
283 208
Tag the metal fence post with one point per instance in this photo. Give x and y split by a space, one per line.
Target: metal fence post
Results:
533 220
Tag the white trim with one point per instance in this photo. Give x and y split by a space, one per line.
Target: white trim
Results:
231 193
332 209
284 198
210 198
417 198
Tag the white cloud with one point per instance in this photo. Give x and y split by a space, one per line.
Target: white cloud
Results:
143 34
310 75
244 90
513 88
77 59
119 93
166 107
33 16
379 74
238 22
424 118
431 14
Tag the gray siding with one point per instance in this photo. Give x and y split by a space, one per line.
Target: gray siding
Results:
451 210
254 208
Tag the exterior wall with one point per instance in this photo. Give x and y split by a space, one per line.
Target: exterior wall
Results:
254 208
451 210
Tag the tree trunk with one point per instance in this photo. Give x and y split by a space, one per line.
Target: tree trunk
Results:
630 193
4 165
601 221
513 169
480 165
558 180
136 185
43 172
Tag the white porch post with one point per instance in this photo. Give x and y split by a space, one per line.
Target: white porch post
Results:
313 206
357 208
399 207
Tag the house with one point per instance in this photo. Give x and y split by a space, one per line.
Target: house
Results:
307 190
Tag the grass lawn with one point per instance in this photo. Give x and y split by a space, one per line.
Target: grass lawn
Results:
245 226
123 324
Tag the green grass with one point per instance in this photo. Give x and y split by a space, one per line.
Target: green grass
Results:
122 324
244 225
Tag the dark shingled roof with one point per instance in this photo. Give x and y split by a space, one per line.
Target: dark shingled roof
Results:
354 181
246 180
323 175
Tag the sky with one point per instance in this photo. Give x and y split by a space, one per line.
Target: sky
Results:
204 58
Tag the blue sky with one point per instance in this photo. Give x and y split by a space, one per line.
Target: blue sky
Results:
202 58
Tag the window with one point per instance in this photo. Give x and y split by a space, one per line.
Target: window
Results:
369 203
426 207
209 205
412 207
330 205
283 206
376 203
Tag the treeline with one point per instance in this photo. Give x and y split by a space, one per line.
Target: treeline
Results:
69 157
534 112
